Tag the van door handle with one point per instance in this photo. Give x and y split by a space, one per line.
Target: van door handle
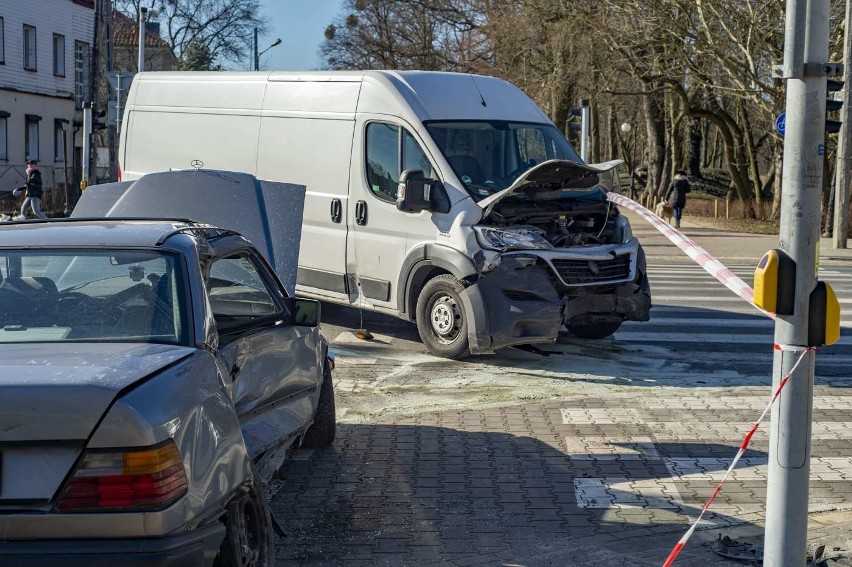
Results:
336 210
361 213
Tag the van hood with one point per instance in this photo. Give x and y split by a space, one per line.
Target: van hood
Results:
548 180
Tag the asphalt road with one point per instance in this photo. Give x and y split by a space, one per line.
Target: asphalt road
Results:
599 454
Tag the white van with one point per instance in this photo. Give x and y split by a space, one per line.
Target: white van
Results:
446 199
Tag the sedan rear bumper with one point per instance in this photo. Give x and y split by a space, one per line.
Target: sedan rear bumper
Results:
196 548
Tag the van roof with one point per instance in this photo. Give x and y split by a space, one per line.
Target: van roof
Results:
431 95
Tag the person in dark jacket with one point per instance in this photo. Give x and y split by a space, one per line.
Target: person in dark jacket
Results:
34 190
676 194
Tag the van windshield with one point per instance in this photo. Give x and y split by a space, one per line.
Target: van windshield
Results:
487 157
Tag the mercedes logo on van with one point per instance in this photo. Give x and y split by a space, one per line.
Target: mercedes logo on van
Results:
197 163
594 268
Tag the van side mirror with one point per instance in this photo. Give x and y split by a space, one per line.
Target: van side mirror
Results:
304 312
414 193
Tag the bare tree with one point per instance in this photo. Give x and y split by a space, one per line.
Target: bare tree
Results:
696 72
222 28
403 34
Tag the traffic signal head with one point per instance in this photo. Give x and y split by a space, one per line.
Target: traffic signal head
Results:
584 106
833 104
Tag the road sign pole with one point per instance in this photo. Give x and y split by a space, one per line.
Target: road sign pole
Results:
805 53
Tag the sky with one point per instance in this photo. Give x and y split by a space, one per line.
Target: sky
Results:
300 25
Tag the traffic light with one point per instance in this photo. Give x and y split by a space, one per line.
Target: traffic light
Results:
584 112
833 104
579 112
99 121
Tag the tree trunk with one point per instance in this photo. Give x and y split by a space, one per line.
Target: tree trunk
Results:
753 167
696 134
654 123
776 187
596 133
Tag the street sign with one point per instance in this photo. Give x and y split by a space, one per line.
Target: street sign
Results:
126 79
779 123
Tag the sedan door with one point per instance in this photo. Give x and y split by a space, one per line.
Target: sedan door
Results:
273 364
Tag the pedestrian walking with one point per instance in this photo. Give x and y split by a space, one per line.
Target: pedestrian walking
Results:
676 194
34 191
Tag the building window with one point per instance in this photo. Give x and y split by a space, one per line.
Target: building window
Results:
4 133
31 137
2 41
58 55
59 140
81 73
29 48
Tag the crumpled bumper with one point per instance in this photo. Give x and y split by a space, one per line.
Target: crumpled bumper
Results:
626 302
517 303
514 304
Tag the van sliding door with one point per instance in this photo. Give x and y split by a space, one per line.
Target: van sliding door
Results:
306 138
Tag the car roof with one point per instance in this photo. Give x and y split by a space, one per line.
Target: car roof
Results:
94 233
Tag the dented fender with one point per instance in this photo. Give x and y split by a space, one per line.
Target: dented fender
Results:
513 304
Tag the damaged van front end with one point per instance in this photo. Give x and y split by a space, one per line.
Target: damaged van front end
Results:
552 251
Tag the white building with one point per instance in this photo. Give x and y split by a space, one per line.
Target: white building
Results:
45 56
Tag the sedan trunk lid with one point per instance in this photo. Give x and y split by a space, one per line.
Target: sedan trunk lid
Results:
51 392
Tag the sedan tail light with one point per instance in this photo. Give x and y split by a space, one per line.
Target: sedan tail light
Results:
125 479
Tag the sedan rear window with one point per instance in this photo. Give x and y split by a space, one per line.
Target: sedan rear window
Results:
92 296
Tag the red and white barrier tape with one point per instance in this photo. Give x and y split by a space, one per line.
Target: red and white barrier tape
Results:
730 280
743 446
710 264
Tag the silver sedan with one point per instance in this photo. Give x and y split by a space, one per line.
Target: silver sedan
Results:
152 375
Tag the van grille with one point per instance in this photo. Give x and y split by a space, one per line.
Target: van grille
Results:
584 272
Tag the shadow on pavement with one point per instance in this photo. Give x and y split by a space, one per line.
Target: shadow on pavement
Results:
423 494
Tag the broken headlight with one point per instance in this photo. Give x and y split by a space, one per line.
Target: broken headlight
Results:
514 238
624 230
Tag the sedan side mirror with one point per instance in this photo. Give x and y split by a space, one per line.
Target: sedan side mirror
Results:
304 312
414 193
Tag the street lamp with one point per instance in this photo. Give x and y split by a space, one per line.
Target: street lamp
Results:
258 54
626 128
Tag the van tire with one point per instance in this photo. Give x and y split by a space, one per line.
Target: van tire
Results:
441 318
594 330
323 431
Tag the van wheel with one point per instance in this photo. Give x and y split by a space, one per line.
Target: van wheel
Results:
594 330
441 319
249 539
324 429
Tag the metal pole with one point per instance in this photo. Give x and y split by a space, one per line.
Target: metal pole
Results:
255 52
844 142
633 167
585 124
117 112
67 209
143 17
790 432
87 141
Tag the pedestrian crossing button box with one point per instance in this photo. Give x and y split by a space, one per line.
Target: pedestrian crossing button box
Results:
775 283
824 316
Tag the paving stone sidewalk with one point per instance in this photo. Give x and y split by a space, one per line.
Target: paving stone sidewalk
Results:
592 481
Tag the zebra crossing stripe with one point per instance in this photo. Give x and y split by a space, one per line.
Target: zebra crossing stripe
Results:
743 447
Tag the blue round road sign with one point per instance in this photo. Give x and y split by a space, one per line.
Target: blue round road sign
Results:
779 123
